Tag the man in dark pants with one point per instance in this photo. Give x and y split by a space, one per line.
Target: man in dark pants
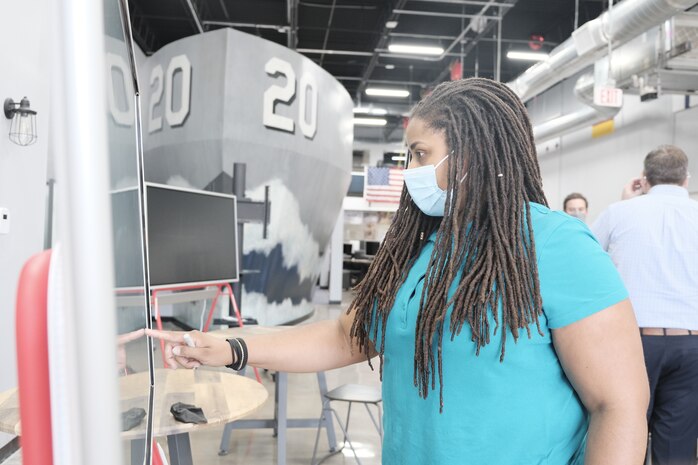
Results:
652 237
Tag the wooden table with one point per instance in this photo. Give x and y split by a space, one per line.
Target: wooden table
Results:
13 459
280 423
9 412
224 397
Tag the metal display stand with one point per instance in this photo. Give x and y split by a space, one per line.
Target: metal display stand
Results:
249 211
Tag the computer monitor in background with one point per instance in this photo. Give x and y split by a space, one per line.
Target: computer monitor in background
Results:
126 237
192 236
347 248
372 247
356 187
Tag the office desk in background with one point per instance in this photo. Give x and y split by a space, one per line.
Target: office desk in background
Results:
357 268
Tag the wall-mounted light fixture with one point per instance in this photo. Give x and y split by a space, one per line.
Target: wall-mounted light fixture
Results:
23 125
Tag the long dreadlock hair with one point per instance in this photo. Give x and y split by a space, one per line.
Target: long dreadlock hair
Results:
486 232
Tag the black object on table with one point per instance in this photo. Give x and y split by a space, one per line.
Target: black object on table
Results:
132 418
187 413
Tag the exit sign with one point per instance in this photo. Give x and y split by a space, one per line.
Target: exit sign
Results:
605 96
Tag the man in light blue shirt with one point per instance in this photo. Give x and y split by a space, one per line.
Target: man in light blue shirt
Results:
652 237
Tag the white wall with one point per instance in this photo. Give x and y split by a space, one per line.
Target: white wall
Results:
22 169
600 167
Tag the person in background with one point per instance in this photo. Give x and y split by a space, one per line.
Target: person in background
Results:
576 205
652 237
503 332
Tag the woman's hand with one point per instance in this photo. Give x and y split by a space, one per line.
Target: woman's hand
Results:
208 350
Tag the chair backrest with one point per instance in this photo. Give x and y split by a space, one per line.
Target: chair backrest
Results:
32 361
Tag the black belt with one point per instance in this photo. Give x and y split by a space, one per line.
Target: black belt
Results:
668 332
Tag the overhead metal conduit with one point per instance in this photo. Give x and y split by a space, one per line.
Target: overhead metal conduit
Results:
588 44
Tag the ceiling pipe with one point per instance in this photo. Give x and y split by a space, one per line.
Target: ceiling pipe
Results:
381 52
292 18
195 16
465 41
320 51
629 19
468 2
327 30
277 27
445 15
631 59
470 46
455 41
339 7
224 8
381 81
382 42
386 33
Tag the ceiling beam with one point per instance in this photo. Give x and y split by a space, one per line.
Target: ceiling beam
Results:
381 81
469 47
194 15
467 2
327 30
382 42
224 8
292 17
440 14
464 41
276 27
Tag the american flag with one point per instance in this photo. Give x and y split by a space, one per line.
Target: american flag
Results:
383 184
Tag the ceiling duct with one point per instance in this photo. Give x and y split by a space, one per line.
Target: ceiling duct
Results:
663 59
628 19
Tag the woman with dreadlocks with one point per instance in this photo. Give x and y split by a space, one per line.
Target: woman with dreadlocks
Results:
503 331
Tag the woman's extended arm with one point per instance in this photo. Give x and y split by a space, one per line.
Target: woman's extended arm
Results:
602 357
307 348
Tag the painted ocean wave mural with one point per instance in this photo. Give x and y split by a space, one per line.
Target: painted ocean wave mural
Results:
226 97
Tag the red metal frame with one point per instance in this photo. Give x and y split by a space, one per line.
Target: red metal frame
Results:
32 361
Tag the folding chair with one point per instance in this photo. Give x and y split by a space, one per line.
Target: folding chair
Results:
350 393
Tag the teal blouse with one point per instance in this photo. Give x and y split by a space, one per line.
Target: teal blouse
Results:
522 411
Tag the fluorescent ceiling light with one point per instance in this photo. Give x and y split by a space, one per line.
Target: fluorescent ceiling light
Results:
370 122
371 111
399 158
379 92
389 66
415 49
391 24
528 56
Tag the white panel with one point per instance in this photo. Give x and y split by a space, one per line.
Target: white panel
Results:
22 169
85 232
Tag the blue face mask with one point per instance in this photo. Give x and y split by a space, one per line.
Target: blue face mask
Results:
424 190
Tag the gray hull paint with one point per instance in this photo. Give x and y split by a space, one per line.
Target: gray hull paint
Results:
308 176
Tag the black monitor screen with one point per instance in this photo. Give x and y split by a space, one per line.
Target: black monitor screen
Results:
372 247
192 236
356 187
128 249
